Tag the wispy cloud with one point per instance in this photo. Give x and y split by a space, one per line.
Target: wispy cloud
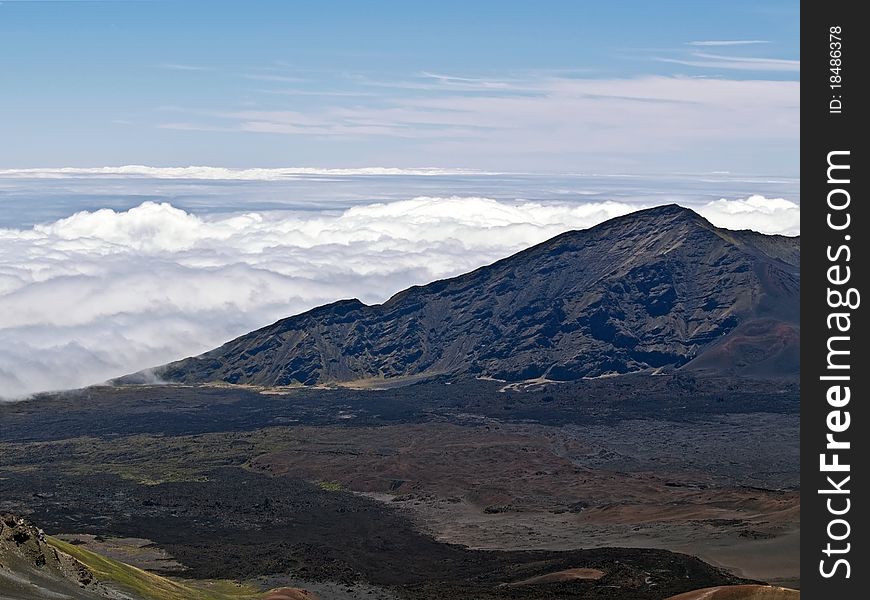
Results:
273 77
727 42
180 67
442 83
566 117
324 93
188 126
466 81
718 61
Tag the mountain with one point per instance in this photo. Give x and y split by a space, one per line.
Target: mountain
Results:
656 288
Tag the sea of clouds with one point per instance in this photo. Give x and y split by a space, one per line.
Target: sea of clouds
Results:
100 293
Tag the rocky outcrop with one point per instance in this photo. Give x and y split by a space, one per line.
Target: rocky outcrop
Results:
31 568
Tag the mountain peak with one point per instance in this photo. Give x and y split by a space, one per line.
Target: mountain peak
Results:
672 208
664 214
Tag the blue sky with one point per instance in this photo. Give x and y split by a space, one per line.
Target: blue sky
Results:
642 87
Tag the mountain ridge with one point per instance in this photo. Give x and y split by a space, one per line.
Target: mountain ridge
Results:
657 288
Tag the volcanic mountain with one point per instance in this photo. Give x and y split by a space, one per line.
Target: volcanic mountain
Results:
656 288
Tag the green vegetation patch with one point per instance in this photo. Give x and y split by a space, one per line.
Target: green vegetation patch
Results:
153 587
330 486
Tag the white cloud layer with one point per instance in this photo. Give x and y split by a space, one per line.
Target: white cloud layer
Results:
221 173
767 215
103 293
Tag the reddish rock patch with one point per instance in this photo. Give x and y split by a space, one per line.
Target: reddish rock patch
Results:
740 592
562 576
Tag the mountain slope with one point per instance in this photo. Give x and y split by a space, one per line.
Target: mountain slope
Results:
659 287
31 569
34 566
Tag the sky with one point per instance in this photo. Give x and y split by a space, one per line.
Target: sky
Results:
546 86
176 174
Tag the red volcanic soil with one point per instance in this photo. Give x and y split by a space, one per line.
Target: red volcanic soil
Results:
763 347
740 592
562 576
289 594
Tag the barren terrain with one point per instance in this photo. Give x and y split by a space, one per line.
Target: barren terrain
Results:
385 494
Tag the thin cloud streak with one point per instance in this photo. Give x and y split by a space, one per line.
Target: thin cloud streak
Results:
717 61
727 42
325 93
180 67
275 78
452 80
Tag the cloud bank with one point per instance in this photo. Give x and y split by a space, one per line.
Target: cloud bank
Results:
767 215
103 293
222 173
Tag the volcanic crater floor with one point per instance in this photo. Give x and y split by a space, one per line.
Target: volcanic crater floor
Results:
656 484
